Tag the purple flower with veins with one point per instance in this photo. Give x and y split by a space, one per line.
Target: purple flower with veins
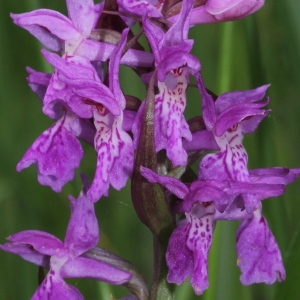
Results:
190 242
56 152
75 86
72 35
115 151
206 201
228 118
64 258
174 64
113 145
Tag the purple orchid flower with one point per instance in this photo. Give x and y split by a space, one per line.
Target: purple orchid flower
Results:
205 202
190 242
64 258
228 118
76 87
115 150
72 35
113 145
174 64
232 115
57 152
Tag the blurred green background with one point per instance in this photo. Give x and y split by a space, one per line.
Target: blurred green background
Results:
263 48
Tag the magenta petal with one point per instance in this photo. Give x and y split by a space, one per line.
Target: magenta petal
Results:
171 50
230 162
83 15
123 163
234 211
237 114
27 253
274 175
199 242
94 50
142 8
259 257
174 185
217 7
61 96
40 241
155 36
38 82
260 190
129 116
73 67
219 11
172 60
90 268
170 124
178 32
214 166
83 232
115 154
199 16
98 51
179 257
229 99
207 191
57 154
251 124
202 140
70 75
208 105
232 9
95 91
114 65
53 288
84 129
53 21
253 193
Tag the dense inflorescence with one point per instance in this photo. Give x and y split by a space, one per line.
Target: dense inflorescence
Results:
149 142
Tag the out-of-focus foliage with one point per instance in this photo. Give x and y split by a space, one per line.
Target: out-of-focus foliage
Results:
264 48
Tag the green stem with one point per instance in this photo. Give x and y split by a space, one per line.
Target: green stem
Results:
161 289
